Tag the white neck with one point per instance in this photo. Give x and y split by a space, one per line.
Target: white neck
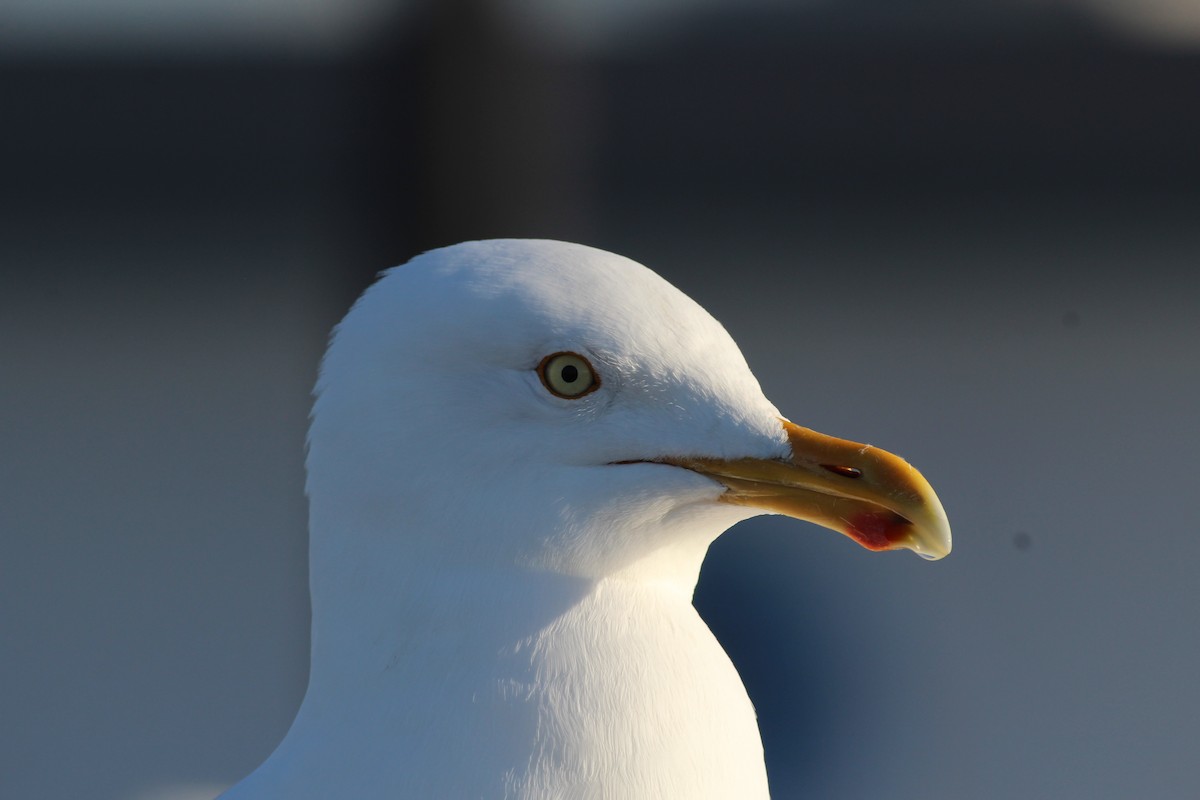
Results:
522 685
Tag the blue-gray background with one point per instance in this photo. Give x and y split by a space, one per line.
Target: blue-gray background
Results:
967 232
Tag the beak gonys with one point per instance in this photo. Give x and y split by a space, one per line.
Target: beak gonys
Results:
872 496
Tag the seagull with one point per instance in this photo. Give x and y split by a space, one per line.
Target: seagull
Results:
520 452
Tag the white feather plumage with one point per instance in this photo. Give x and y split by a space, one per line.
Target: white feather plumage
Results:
499 610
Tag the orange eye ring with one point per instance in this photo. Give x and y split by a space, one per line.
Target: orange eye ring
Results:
568 375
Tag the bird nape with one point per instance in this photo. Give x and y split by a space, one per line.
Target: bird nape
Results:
519 454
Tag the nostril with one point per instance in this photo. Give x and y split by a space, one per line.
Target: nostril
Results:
844 471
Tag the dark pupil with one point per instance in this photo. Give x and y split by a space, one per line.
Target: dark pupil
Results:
570 373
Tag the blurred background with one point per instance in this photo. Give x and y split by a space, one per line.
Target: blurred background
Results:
967 231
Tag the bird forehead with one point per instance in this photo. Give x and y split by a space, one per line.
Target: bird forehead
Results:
539 294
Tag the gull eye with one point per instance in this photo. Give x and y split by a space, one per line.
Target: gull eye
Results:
568 375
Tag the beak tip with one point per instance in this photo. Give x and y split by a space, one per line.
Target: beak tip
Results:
933 542
932 554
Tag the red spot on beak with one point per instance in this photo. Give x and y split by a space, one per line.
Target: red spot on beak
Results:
878 530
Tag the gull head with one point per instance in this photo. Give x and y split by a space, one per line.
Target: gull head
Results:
522 404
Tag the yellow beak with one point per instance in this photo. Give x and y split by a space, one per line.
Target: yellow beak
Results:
870 495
